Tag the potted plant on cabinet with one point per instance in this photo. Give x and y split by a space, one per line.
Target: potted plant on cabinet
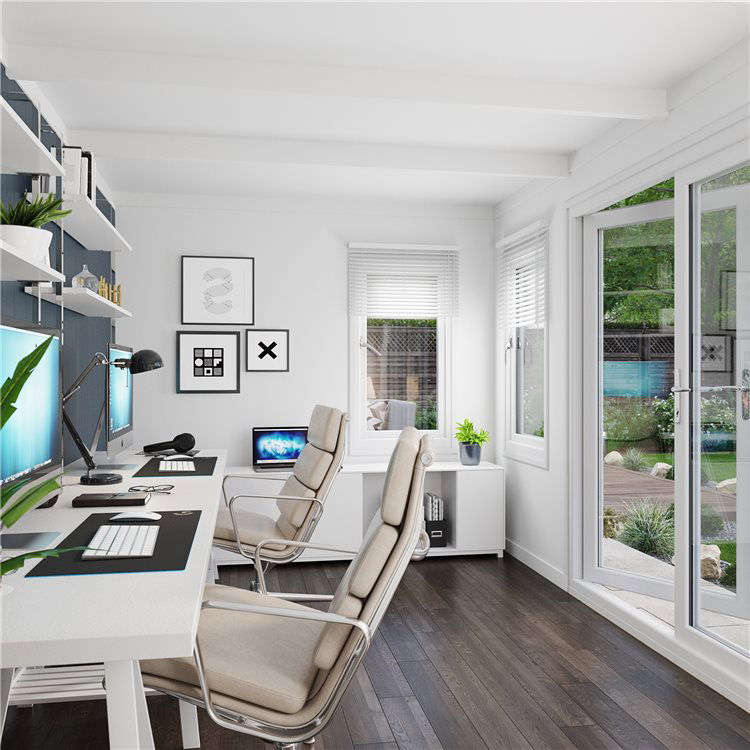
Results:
470 442
21 225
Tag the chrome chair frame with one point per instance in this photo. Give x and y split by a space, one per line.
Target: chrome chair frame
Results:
283 736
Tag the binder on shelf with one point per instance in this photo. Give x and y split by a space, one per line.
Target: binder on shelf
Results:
71 162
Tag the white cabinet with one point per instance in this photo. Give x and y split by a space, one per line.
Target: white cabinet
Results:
474 498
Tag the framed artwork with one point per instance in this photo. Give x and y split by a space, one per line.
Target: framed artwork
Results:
716 353
728 289
267 350
208 362
218 290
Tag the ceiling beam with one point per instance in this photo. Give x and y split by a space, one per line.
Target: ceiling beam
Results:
43 63
176 147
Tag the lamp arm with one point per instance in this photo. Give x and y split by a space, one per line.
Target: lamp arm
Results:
75 386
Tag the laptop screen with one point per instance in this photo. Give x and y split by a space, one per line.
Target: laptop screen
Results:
277 446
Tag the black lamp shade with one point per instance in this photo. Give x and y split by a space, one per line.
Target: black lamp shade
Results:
144 361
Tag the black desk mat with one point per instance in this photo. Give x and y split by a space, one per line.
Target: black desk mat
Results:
204 467
177 529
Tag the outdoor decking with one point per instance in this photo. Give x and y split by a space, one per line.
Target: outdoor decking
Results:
623 486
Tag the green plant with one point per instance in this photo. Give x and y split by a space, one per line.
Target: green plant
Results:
12 387
465 433
635 460
649 528
36 213
14 563
711 522
426 417
628 419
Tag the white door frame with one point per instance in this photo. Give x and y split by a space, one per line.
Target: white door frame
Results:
724 654
593 226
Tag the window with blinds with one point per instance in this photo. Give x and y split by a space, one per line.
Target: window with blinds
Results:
401 296
521 288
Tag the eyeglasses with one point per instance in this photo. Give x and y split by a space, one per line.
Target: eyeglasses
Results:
158 489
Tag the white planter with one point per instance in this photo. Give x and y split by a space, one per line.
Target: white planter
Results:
33 244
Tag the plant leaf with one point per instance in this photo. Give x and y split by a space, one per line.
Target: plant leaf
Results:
14 563
12 387
7 492
27 501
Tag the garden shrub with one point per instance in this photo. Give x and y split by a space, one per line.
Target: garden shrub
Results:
635 460
711 522
649 528
628 419
609 523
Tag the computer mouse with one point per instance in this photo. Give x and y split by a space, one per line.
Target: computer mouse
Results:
137 515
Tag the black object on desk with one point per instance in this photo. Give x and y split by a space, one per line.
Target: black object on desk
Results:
110 499
204 467
176 532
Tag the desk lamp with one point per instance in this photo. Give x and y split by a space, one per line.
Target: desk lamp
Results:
144 360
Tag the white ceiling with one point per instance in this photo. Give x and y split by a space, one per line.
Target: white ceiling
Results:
456 102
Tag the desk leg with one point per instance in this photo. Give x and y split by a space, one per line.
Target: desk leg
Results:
6 682
127 713
191 736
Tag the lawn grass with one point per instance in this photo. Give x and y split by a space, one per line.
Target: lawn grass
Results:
717 466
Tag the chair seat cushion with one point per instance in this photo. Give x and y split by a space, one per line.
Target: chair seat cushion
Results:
253 528
237 657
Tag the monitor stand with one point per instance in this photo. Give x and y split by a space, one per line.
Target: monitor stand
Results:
98 479
32 540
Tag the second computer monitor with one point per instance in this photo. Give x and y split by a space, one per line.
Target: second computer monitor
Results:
119 400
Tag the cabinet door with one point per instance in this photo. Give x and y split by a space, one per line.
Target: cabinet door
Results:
480 510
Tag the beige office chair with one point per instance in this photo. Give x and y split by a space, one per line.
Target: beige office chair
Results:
277 669
300 500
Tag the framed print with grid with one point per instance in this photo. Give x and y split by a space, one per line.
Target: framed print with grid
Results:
208 362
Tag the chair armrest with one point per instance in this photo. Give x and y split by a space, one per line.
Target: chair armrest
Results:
422 548
288 542
253 477
262 497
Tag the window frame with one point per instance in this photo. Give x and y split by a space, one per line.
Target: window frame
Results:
528 449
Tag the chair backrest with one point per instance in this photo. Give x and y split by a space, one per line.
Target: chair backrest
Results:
314 470
372 577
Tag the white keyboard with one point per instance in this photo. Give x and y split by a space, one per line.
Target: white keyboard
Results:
121 540
166 465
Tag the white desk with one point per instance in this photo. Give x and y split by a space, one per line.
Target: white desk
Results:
115 619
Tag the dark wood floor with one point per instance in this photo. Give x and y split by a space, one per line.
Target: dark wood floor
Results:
474 653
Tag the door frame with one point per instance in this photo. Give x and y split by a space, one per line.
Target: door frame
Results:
593 226
687 348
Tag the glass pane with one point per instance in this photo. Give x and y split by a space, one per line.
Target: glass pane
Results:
530 381
721 421
402 382
636 502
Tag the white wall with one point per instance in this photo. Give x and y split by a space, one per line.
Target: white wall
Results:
709 109
301 284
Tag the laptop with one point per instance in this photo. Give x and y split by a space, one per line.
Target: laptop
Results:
277 448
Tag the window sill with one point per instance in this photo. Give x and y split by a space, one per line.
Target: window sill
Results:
528 450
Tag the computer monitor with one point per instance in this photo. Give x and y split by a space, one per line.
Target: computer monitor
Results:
277 447
119 400
31 437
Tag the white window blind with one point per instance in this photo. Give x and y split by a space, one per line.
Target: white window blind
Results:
521 282
404 281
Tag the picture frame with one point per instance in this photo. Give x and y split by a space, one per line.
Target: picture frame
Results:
217 290
716 353
208 361
267 350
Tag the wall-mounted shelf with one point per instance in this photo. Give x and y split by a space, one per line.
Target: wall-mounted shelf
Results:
82 301
90 226
14 267
22 152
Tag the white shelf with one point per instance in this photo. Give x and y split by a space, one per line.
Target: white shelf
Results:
82 301
22 152
14 267
90 226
